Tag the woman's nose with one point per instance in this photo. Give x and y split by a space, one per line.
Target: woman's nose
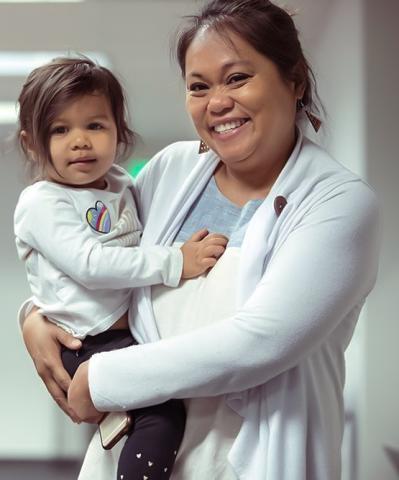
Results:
220 101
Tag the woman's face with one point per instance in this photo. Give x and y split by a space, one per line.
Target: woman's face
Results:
240 105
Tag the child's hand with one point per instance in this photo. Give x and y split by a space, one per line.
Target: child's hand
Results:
201 252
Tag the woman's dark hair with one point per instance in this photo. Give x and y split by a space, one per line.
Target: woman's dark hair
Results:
268 28
47 91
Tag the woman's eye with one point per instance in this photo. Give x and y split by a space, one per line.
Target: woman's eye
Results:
237 78
95 126
59 130
197 87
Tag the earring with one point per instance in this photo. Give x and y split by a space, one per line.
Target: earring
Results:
203 147
313 119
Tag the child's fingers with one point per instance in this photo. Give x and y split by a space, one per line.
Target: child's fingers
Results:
222 242
214 251
198 236
208 262
217 237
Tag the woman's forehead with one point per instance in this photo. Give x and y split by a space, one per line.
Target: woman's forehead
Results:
213 49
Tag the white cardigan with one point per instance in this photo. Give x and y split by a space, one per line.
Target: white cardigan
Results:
303 279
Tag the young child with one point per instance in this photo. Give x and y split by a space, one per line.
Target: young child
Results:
77 231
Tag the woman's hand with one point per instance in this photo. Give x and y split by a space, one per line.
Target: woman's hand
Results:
79 396
43 341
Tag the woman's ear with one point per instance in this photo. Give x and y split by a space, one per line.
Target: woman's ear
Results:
27 144
300 90
299 76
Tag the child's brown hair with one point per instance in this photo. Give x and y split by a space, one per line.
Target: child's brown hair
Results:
47 91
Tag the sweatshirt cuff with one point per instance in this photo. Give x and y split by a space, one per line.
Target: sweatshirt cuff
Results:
24 311
175 269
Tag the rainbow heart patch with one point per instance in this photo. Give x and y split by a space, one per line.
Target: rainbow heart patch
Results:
99 218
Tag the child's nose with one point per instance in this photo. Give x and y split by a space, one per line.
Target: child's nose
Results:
80 140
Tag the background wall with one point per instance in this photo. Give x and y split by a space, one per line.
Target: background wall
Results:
352 45
381 360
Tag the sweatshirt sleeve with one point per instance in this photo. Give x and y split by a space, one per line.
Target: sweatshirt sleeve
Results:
68 243
322 272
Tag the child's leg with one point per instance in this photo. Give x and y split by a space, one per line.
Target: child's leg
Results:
152 444
103 342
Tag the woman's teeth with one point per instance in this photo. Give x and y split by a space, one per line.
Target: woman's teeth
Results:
226 127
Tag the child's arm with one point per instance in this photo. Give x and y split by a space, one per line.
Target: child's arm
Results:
50 224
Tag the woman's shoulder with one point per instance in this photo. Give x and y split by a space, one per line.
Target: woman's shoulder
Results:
174 162
325 181
325 170
183 152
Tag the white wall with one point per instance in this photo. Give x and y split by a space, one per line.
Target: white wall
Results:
381 362
355 52
333 39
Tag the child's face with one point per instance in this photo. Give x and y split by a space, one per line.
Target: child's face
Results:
83 143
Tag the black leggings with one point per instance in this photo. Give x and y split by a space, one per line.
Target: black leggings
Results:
152 444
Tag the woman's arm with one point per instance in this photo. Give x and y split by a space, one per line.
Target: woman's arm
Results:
325 269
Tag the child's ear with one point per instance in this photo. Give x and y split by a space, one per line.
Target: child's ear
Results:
26 141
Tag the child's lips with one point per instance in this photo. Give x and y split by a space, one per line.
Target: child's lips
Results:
83 160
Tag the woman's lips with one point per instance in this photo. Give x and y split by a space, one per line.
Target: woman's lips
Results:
229 129
229 125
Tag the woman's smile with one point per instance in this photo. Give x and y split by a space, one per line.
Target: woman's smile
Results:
227 128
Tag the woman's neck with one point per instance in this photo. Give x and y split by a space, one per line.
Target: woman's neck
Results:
243 182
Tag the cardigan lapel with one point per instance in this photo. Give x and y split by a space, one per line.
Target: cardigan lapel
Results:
260 236
168 227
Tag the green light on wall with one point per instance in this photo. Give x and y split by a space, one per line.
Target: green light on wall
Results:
135 165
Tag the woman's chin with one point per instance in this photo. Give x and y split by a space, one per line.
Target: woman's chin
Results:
231 156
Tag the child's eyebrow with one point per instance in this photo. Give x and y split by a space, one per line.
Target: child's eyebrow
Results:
99 116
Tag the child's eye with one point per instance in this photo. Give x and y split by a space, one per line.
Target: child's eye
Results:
95 126
59 130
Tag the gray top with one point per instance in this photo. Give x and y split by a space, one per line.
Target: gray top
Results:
213 211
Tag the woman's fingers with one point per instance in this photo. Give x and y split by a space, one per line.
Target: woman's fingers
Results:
43 341
57 380
60 398
66 339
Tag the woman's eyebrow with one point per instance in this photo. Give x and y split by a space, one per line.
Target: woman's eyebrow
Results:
225 67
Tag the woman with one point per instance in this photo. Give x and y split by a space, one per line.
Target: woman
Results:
258 344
